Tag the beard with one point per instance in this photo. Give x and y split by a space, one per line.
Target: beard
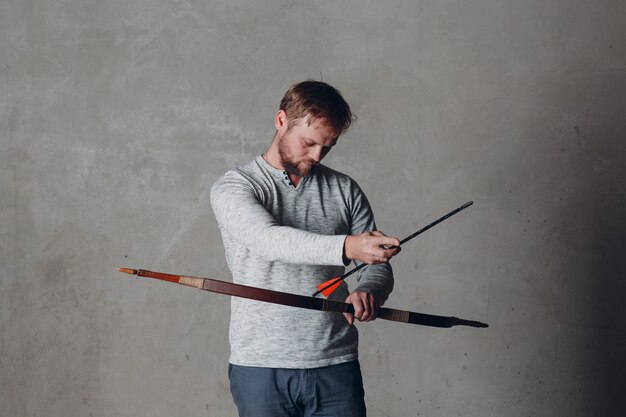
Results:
301 169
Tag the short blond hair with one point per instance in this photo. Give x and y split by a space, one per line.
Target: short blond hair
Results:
316 99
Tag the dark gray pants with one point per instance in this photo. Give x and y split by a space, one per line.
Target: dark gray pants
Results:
331 391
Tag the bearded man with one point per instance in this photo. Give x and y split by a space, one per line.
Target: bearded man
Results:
289 223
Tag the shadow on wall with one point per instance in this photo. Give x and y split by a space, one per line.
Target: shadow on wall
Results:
596 211
607 220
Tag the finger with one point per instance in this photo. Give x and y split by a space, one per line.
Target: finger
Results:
386 242
392 241
370 308
388 254
374 315
358 309
367 313
368 302
357 303
381 256
365 306
376 259
389 251
349 317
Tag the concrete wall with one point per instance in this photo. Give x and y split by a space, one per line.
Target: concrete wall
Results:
117 116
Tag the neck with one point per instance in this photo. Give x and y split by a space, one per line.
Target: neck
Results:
272 157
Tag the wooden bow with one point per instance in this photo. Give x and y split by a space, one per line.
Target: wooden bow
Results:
301 301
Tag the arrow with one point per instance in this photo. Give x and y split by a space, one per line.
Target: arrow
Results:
326 288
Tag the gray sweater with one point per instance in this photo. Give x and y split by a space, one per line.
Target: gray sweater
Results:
290 239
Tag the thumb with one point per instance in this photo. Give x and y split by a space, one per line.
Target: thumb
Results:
349 317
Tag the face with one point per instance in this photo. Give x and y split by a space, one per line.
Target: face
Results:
304 145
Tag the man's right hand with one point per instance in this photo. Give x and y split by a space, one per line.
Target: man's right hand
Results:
371 247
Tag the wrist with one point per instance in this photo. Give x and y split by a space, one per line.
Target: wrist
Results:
347 249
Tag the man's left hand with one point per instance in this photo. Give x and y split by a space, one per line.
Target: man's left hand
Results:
365 306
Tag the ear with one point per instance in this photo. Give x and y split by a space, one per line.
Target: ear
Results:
280 121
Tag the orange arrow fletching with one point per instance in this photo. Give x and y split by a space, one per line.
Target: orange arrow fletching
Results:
328 291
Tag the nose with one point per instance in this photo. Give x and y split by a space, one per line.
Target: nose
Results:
316 154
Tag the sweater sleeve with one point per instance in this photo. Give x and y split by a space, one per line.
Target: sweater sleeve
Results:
242 217
375 279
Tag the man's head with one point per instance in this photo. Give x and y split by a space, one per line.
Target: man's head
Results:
312 116
310 100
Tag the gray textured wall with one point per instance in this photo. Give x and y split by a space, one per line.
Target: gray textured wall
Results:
117 116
